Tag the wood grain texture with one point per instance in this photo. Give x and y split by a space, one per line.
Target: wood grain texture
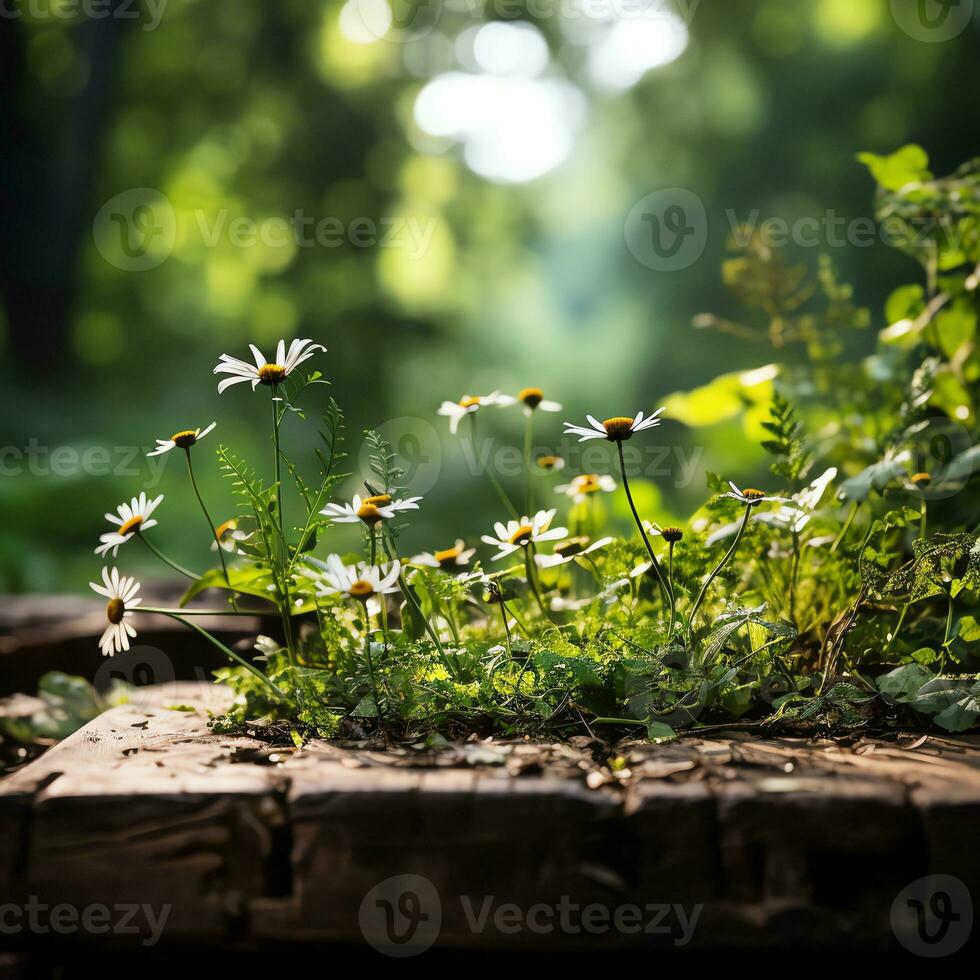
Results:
781 841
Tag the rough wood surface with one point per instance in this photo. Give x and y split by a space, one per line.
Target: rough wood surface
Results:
780 841
44 633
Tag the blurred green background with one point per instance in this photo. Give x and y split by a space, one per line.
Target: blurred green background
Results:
496 164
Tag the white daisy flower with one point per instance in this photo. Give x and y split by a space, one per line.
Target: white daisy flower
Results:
515 535
617 429
752 497
181 440
589 483
263 371
568 551
468 404
361 581
227 536
121 593
458 556
370 510
133 518
533 399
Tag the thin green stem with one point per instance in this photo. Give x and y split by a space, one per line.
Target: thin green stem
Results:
670 588
503 616
847 526
922 520
275 439
214 531
665 591
532 580
517 619
487 471
217 643
406 589
166 560
528 440
949 629
898 626
720 565
370 666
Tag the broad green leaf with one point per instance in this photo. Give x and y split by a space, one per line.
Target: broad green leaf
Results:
907 165
904 683
658 732
960 715
252 580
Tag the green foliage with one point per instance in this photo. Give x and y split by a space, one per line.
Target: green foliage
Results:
837 601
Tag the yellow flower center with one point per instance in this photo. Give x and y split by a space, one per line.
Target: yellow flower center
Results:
532 397
588 483
750 493
114 611
469 401
447 558
132 525
272 374
379 500
223 529
361 589
672 534
185 439
369 513
921 479
573 546
549 462
522 535
618 429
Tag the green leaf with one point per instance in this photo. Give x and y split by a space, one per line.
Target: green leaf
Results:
960 715
904 683
658 733
907 165
249 579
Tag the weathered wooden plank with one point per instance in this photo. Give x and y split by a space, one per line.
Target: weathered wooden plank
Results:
763 841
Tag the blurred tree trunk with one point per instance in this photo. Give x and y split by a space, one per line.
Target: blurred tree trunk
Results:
48 155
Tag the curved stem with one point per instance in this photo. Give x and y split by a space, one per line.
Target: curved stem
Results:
532 579
503 616
665 591
166 560
214 531
487 471
898 626
847 526
720 565
410 598
225 650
